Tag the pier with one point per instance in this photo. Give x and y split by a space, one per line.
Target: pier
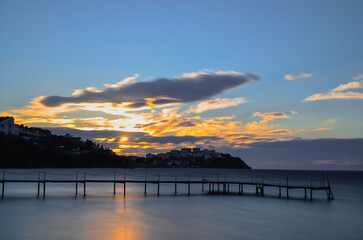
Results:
214 185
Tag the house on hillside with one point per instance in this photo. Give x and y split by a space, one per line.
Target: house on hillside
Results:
7 126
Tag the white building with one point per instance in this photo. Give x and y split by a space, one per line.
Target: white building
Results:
7 126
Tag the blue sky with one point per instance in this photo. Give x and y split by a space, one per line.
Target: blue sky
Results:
51 48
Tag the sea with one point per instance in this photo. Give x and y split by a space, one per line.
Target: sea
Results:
62 214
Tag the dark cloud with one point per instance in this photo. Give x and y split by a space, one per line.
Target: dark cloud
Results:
186 124
187 88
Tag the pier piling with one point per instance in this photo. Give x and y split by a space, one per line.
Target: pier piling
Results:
124 185
114 183
44 186
38 183
84 185
3 187
76 183
158 184
175 186
202 182
305 194
189 185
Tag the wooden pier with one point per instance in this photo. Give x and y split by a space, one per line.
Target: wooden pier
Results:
214 186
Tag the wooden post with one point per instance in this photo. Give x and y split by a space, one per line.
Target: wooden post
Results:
228 187
84 184
287 187
158 184
213 187
189 185
124 185
76 183
279 191
209 188
323 179
331 196
218 181
202 182
241 188
175 187
145 183
38 183
114 183
305 193
311 189
44 186
225 183
3 188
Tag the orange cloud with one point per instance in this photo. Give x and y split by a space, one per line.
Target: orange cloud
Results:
270 116
216 104
334 95
337 93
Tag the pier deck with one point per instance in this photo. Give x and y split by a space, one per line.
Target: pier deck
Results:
214 186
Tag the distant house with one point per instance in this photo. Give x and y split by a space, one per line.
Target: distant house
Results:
7 126
150 156
33 131
186 152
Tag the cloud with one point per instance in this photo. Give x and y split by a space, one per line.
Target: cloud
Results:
321 129
351 85
337 93
358 77
270 116
334 95
185 88
124 82
297 75
216 104
331 121
293 153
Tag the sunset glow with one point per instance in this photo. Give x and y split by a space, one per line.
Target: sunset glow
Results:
230 84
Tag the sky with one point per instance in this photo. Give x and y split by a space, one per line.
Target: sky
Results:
277 83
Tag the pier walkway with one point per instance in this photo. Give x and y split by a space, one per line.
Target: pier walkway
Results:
210 185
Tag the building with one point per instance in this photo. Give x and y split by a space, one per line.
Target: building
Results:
8 126
175 153
150 156
34 132
186 152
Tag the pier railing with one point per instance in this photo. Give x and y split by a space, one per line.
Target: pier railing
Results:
213 183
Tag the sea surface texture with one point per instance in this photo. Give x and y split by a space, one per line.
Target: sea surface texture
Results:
102 215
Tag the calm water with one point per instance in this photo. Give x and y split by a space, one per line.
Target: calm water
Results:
100 215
